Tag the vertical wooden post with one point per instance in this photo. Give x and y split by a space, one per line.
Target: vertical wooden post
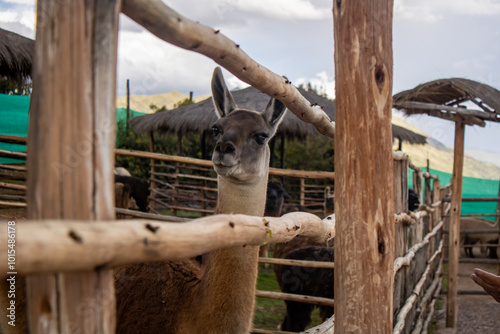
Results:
454 236
364 203
71 143
151 175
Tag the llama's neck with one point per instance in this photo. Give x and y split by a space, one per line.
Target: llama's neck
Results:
231 273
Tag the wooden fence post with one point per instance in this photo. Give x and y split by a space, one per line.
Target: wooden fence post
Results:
71 143
364 203
454 236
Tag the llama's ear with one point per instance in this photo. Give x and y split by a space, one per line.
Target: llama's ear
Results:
274 112
222 98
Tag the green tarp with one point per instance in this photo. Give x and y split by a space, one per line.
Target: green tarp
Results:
14 121
471 187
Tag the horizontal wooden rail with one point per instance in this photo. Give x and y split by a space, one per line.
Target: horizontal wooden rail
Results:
475 199
13 167
295 298
13 204
13 155
50 245
13 186
208 163
140 214
475 260
12 139
298 263
265 331
476 231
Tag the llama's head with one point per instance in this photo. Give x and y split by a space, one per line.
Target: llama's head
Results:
241 136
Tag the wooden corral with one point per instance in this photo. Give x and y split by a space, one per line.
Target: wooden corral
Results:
70 171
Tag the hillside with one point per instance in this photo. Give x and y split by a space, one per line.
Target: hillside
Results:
141 103
441 157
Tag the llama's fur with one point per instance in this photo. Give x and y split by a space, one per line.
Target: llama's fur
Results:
218 294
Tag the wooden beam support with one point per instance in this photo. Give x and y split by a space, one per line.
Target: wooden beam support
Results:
178 30
454 228
53 245
71 154
364 199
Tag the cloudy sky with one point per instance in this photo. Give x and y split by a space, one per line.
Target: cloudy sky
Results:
433 39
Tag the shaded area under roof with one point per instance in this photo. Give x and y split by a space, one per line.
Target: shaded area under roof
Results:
444 98
199 117
16 55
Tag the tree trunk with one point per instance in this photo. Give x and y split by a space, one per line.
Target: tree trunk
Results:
364 199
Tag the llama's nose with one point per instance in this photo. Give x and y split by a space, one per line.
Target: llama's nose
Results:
225 147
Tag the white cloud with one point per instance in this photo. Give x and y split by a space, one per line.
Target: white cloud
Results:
277 9
323 82
21 2
430 11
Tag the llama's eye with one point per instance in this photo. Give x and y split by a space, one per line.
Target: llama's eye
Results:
216 130
260 138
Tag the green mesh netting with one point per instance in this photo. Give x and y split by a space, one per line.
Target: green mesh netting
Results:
14 121
471 187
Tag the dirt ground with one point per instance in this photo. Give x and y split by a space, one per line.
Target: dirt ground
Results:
476 313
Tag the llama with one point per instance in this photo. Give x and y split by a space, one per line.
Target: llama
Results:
473 238
216 295
316 282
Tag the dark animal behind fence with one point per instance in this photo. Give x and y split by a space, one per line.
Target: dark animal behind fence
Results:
306 281
413 201
139 190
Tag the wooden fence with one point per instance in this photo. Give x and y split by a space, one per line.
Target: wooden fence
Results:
190 185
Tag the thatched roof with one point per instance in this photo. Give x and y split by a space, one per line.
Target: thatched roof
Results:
199 117
16 55
445 97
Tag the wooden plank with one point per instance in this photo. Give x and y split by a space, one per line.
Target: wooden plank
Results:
208 163
454 236
12 186
364 201
71 140
295 298
13 155
298 263
12 139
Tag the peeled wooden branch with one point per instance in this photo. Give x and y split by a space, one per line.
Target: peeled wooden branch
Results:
176 29
405 260
295 298
298 263
49 246
325 328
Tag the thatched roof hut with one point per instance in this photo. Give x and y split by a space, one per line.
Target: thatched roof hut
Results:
16 55
199 117
444 98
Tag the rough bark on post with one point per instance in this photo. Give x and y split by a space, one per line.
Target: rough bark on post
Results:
364 202
71 144
454 236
